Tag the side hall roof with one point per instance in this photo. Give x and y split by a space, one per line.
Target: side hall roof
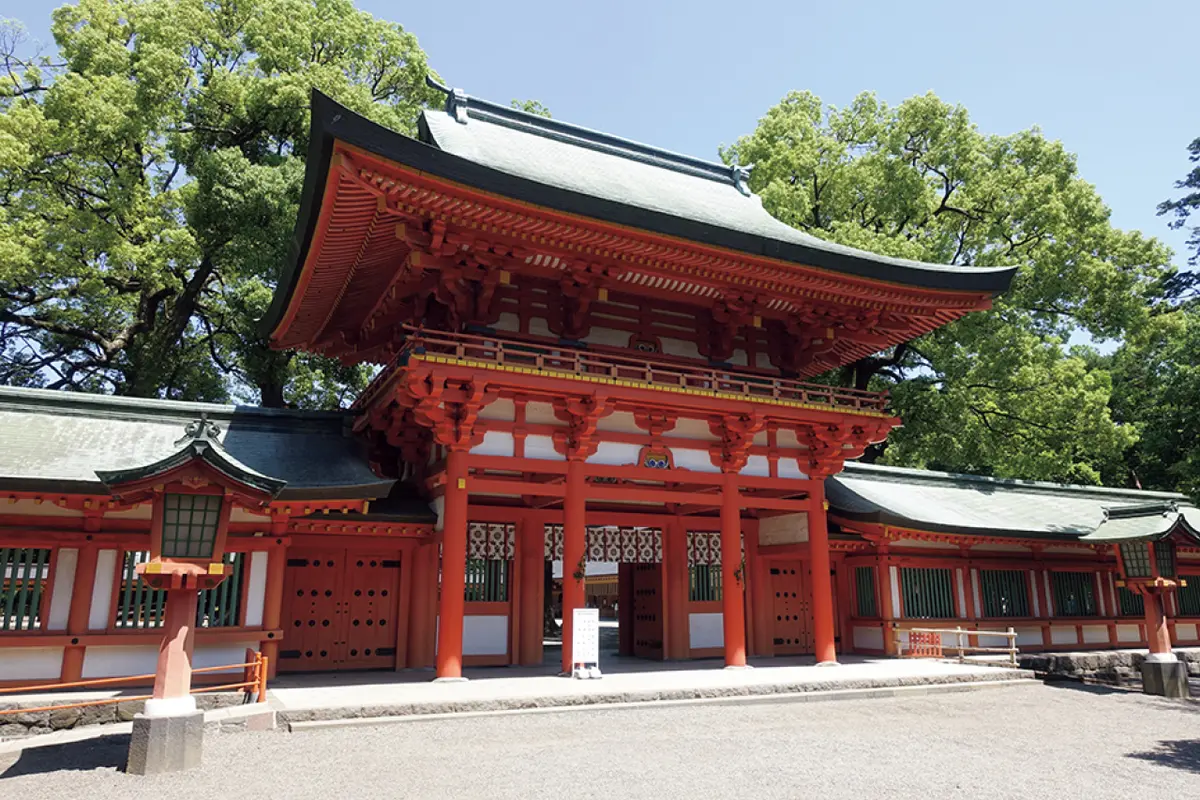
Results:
57 441
571 169
943 502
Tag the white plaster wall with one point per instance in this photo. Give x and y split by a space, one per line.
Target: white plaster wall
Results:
102 589
1029 637
790 468
501 408
1095 634
30 663
975 592
706 630
508 321
1063 635
256 586
539 327
1186 632
895 575
1103 593
217 655
763 360
680 347
541 413
786 437
686 428
607 336
621 421
438 507
115 661
615 454
64 587
495 443
868 638
1037 608
541 447
783 529
485 635
758 466
962 594
1128 633
695 460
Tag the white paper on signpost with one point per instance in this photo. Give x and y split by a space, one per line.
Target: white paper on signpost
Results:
585 637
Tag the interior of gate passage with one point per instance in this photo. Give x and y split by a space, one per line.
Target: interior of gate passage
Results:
587 335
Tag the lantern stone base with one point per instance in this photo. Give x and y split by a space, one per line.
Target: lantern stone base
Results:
1165 676
165 743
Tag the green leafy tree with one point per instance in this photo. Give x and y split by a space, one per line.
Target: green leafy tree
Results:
150 176
997 393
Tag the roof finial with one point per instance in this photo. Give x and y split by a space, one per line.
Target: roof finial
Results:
456 99
200 429
741 176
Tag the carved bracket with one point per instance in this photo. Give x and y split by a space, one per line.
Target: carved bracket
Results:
736 434
579 441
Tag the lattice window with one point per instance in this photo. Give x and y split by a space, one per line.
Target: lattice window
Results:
190 525
864 592
704 582
1137 559
1189 596
1164 554
1131 603
1005 592
928 593
140 607
1074 594
487 581
24 572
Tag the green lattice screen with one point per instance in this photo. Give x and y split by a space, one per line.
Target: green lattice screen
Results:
23 575
1074 594
864 592
1005 592
704 582
1131 603
928 593
487 581
139 606
1189 596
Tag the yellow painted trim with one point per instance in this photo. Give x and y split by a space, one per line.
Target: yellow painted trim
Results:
553 373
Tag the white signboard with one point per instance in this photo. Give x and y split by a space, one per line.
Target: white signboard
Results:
585 636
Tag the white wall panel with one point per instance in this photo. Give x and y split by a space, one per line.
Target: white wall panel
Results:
102 589
256 586
64 587
30 663
485 635
868 638
706 630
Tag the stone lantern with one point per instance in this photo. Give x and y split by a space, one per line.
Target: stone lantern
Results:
1144 537
192 493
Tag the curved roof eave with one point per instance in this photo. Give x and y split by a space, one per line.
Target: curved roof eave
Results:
332 122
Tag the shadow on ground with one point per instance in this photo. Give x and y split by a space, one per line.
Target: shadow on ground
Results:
99 753
1181 754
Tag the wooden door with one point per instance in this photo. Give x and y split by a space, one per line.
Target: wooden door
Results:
339 610
647 611
312 587
792 609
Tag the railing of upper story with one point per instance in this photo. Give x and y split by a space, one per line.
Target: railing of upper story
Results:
555 360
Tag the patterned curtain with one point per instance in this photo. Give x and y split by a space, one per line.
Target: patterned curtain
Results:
491 541
622 545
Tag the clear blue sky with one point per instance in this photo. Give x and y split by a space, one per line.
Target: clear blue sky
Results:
1117 82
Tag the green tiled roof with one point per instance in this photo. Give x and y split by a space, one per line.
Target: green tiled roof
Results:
971 504
57 441
1146 521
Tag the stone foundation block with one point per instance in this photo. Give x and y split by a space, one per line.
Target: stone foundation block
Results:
165 744
1165 679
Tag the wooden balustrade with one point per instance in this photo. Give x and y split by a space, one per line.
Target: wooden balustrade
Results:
658 374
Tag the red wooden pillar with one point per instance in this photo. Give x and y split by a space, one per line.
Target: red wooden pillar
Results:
574 547
81 606
532 543
822 588
676 609
173 677
273 603
883 571
733 604
1157 634
454 567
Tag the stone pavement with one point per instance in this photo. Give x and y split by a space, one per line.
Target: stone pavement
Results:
307 698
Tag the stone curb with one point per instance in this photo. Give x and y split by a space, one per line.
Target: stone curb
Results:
559 702
798 697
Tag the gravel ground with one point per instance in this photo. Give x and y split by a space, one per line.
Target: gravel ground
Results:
1023 742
